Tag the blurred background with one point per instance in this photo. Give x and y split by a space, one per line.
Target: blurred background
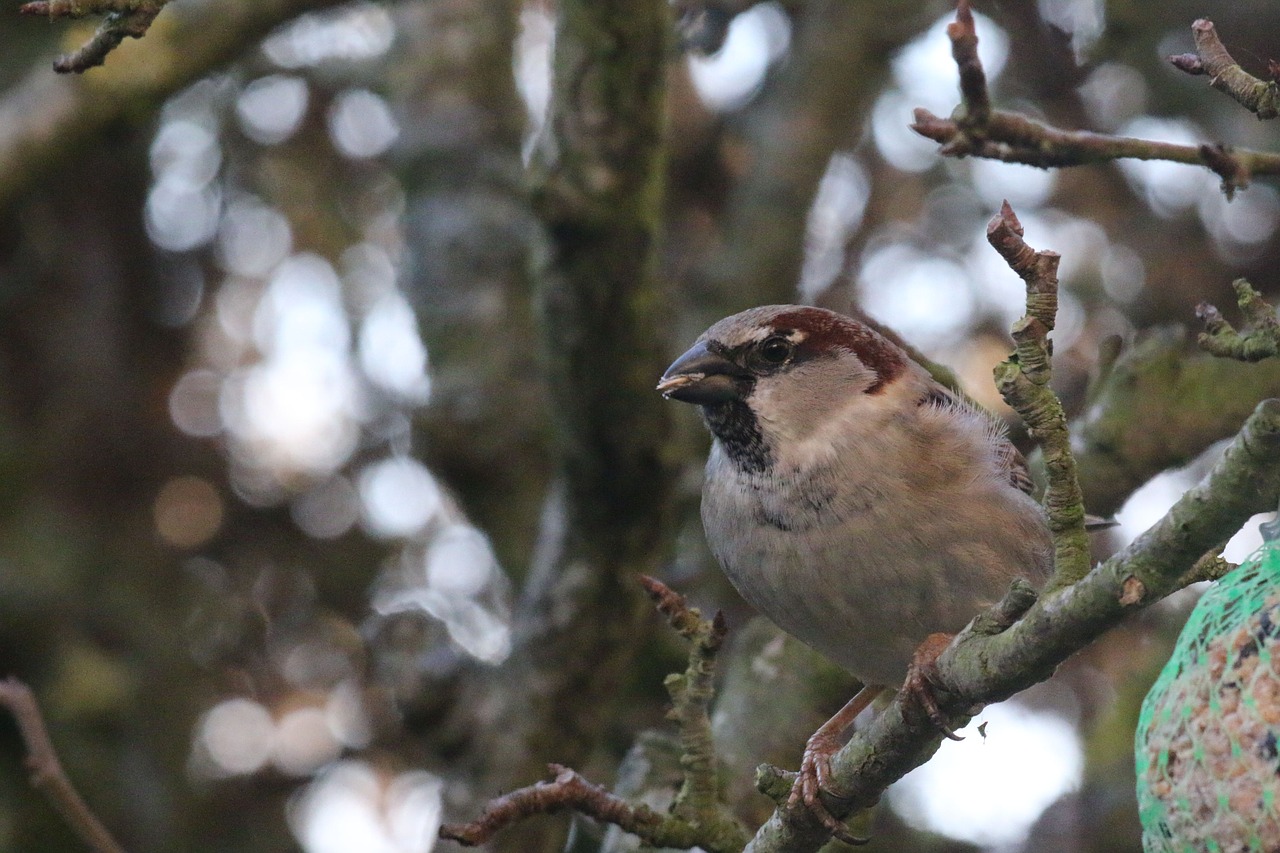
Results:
296 547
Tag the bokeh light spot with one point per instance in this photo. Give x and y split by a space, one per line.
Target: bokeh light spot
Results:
391 351
271 108
990 789
328 510
350 806
238 736
459 561
252 238
399 496
193 403
356 32
188 511
361 124
757 37
304 741
926 299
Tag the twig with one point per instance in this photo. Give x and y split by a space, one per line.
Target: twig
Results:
691 693
973 79
1261 97
1009 137
123 19
47 774
698 817
567 791
1023 381
1210 567
1260 338
82 8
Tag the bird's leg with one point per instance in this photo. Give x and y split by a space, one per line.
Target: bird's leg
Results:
815 767
920 680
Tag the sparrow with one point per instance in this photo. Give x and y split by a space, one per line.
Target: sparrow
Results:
853 500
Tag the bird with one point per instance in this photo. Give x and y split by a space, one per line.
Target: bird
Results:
856 502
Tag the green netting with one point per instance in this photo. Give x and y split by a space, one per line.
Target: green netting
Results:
1206 754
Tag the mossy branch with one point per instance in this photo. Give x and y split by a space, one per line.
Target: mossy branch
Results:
699 802
698 817
1023 381
980 668
1259 340
1196 398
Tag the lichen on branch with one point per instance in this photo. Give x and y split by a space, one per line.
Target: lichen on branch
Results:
1023 381
1261 335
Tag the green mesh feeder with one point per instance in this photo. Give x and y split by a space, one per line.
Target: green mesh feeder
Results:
1206 745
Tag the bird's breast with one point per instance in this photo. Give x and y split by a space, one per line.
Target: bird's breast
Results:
861 572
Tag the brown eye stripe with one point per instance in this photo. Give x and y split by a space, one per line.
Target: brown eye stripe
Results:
825 331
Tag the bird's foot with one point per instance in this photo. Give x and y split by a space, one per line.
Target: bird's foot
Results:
921 677
815 766
814 778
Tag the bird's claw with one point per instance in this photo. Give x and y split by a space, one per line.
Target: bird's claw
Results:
919 681
814 778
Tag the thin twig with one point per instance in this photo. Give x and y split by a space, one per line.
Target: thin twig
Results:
122 19
1260 338
47 775
568 790
1261 97
1210 567
973 79
980 131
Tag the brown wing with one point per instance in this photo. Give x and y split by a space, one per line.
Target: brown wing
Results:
1015 465
1011 460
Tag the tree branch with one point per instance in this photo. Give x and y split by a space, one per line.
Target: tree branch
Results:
698 817
567 791
123 19
1159 405
1013 138
1261 338
47 774
1261 97
986 664
45 119
699 801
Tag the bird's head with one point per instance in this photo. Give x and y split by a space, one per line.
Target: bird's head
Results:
778 372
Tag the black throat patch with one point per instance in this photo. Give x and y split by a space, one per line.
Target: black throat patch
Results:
739 431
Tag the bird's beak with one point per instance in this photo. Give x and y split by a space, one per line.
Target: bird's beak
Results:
702 377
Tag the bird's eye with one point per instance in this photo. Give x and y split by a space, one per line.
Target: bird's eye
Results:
775 350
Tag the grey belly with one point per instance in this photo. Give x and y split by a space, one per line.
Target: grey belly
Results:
855 599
